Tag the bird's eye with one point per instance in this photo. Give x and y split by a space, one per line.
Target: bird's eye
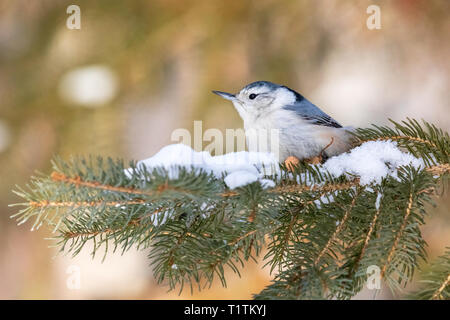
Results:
252 96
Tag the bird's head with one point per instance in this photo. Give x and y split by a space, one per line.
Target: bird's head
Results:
261 97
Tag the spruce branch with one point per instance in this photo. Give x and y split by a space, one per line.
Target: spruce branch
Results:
322 232
424 141
436 281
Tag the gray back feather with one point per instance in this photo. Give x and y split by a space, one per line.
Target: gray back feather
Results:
312 113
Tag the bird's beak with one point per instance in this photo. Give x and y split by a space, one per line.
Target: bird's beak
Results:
225 95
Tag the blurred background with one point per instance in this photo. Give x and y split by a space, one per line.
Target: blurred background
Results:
137 70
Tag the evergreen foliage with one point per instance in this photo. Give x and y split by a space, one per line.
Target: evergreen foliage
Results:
436 281
321 233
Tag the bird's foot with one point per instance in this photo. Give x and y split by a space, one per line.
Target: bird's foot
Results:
291 162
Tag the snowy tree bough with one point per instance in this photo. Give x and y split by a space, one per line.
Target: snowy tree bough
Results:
323 225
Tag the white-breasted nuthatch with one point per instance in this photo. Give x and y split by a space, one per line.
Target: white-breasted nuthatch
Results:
305 131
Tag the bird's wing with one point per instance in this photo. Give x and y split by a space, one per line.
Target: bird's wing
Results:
312 114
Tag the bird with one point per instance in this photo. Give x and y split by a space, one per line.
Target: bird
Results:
305 132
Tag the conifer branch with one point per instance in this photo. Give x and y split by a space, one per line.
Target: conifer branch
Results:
329 187
402 138
399 233
232 243
84 204
321 231
438 293
339 228
439 170
77 181
436 281
368 237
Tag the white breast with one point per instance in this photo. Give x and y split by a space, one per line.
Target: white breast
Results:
283 134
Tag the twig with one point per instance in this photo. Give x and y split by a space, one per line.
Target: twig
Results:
441 288
134 222
399 234
367 239
72 204
325 188
57 176
401 138
337 231
439 169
